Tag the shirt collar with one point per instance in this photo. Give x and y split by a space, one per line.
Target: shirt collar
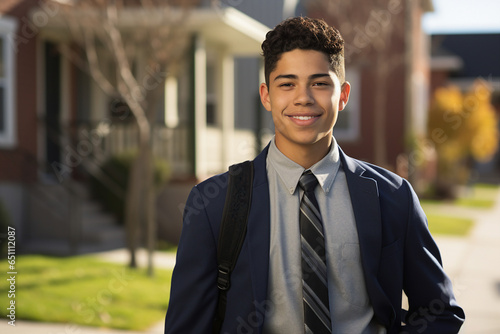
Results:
289 171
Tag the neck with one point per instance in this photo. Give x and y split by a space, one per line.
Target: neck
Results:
305 155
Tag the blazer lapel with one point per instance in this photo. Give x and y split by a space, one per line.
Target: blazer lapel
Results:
365 203
364 198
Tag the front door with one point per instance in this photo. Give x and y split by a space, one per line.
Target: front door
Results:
52 124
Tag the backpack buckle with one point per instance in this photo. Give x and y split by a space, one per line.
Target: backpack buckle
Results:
223 278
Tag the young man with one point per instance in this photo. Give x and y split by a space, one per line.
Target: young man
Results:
332 242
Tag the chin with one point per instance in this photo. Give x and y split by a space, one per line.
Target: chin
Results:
308 141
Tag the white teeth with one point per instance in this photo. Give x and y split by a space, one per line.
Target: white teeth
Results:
303 118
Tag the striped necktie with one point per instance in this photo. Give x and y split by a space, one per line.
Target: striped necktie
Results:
314 274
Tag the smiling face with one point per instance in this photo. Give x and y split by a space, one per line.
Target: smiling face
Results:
304 96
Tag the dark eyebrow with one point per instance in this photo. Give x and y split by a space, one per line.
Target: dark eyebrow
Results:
285 76
293 76
319 75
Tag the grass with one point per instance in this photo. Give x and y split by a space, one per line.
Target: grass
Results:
446 225
86 291
444 219
475 203
479 196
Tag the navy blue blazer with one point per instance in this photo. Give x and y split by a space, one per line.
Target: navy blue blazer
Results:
397 253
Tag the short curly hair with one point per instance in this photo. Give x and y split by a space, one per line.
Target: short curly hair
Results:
306 34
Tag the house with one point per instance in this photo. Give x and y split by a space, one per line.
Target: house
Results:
459 59
56 123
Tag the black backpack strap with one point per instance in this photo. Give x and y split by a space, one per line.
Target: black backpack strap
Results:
232 231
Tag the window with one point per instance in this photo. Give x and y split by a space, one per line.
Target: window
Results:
7 89
347 127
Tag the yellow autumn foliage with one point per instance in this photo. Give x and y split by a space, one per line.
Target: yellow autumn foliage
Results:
463 126
482 131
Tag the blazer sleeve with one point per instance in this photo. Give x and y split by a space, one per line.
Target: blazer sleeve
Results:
193 293
432 305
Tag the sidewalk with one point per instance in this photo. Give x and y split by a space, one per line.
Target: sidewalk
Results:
473 264
160 259
29 327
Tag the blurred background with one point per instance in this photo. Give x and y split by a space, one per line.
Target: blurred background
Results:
110 111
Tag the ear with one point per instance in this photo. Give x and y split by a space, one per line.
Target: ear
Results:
264 96
344 95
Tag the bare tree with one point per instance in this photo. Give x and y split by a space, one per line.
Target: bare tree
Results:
369 29
143 39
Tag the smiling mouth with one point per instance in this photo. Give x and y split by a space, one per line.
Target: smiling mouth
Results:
303 118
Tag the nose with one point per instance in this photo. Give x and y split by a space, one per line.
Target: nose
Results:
303 96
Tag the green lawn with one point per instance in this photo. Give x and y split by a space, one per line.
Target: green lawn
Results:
447 225
86 291
479 196
444 217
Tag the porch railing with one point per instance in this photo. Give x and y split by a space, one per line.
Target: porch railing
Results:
105 140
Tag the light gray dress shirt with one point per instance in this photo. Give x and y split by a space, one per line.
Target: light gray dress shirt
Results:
350 309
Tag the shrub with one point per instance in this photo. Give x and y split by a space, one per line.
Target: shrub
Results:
115 170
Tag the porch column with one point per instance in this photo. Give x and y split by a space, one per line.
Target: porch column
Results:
227 110
200 107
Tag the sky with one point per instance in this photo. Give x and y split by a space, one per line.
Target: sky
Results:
463 16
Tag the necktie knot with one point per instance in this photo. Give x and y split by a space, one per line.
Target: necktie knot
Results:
308 181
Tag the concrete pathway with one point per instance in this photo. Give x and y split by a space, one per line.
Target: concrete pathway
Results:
28 327
160 259
473 264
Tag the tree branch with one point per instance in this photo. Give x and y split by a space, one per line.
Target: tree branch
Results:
89 46
118 48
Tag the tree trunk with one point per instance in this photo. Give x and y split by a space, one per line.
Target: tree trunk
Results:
132 209
148 203
140 194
